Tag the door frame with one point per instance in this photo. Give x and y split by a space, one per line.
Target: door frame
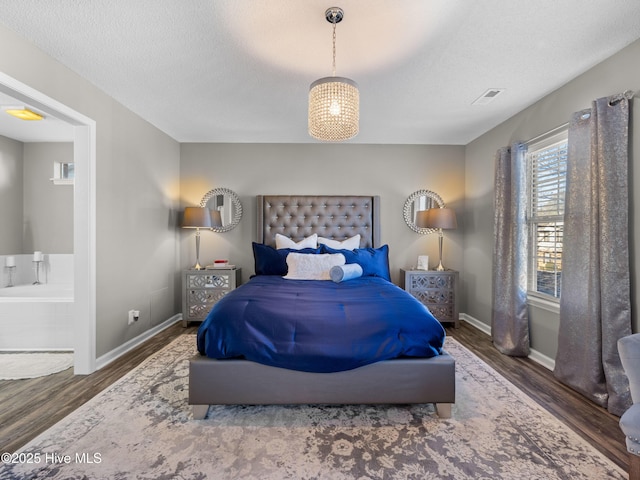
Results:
84 217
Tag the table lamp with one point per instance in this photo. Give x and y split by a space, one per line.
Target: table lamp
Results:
440 218
197 217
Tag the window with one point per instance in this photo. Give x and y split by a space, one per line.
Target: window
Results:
63 173
547 173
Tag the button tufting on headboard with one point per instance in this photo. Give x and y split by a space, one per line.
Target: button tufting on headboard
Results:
332 216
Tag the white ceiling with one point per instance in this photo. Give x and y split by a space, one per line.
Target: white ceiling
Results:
239 71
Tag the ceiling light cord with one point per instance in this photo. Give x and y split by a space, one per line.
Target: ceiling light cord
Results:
333 20
334 16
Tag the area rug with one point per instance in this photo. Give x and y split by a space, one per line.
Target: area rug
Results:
17 366
141 427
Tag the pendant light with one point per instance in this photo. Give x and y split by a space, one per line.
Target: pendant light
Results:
334 102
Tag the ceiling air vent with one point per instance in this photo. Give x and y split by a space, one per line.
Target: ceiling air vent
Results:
488 96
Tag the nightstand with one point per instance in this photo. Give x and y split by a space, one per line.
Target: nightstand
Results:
438 291
201 290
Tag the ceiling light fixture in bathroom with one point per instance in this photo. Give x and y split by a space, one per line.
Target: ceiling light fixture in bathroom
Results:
23 113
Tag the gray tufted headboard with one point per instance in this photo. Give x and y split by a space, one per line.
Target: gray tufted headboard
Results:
331 216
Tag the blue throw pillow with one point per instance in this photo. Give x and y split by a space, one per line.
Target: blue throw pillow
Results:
342 273
374 261
269 261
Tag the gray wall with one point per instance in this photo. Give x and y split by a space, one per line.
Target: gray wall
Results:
11 152
48 208
391 171
617 74
136 194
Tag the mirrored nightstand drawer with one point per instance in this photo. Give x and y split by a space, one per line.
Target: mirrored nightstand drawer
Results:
438 291
202 289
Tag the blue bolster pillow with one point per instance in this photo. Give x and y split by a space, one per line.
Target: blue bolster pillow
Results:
340 273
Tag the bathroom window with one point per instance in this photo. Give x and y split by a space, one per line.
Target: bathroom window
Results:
63 173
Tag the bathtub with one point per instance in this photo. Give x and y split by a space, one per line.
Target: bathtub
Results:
36 317
37 293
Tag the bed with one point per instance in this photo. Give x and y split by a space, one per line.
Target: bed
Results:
238 380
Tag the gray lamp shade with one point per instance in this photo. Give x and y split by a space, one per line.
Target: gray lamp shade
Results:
444 218
196 217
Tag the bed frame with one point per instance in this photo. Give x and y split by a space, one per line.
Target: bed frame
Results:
400 381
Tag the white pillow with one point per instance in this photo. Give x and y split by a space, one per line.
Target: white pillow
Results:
312 267
349 244
285 242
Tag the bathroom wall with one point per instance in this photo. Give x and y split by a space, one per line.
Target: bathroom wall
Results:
48 208
35 214
11 153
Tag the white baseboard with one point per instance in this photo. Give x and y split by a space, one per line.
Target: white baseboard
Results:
547 362
109 357
474 322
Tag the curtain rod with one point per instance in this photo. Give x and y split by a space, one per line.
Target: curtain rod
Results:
628 94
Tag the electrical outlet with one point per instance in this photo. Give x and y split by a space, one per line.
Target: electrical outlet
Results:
134 315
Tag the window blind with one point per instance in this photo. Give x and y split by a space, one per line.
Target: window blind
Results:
548 180
548 171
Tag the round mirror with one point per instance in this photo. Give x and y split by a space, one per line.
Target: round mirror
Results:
227 203
420 200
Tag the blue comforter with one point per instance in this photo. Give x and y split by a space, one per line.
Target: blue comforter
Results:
319 326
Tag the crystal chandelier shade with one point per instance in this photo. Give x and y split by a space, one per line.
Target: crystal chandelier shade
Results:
334 102
334 109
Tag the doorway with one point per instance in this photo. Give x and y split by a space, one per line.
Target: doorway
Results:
84 210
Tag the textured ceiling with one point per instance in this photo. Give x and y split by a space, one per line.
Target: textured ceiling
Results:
239 71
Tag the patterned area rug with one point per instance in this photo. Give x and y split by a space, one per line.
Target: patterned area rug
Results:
141 428
17 366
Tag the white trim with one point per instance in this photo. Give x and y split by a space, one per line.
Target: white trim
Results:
62 181
44 349
543 143
547 362
557 135
109 357
84 232
537 300
84 213
474 322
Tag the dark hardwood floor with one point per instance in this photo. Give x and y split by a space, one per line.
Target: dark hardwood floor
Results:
28 407
590 421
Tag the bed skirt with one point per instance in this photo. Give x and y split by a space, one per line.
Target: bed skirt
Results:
399 381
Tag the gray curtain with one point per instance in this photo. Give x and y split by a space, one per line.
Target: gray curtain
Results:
509 321
595 306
